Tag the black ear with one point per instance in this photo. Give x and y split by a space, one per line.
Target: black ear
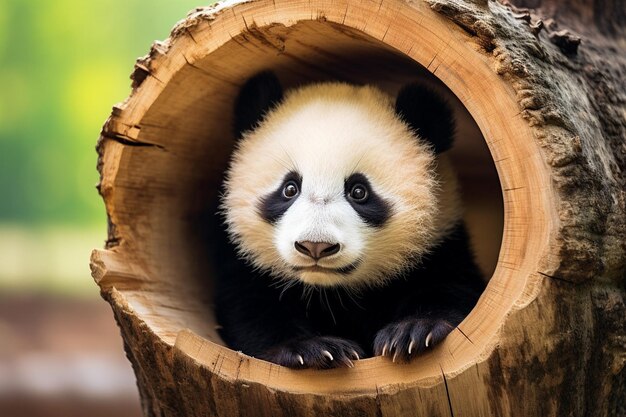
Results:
428 114
258 95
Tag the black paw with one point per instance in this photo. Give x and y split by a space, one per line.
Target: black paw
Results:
403 340
322 352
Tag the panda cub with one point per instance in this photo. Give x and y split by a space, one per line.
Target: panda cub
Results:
343 236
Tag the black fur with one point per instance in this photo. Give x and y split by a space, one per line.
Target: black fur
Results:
374 211
276 323
286 322
275 204
428 114
258 95
310 349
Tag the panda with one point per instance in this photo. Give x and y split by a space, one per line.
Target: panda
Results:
343 237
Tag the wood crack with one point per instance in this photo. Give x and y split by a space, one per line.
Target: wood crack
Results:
125 140
556 278
463 333
445 383
379 410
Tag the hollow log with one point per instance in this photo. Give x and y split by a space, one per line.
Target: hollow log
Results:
544 86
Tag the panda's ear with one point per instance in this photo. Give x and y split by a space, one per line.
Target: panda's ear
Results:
427 113
258 95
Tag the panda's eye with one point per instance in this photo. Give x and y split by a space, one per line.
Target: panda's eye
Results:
290 190
359 193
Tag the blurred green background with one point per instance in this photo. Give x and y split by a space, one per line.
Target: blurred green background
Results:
63 64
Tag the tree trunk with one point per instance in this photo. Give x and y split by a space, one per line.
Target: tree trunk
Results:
545 87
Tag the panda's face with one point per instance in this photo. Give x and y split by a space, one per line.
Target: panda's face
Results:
333 189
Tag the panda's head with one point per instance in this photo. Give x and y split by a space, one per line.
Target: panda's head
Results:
334 185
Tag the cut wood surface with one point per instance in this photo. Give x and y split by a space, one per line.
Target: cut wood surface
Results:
546 338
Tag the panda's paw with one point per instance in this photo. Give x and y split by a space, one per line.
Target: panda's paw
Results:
323 352
403 340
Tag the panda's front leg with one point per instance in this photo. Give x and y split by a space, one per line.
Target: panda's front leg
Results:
404 339
317 352
255 320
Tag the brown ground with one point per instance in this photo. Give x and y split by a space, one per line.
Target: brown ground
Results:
62 357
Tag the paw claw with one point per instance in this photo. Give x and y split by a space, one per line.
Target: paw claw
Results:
356 355
393 344
320 352
405 339
428 339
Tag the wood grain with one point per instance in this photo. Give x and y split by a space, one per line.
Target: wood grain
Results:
546 337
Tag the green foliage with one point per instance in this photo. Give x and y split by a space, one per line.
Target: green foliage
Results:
63 64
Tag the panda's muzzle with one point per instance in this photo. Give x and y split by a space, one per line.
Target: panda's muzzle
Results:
317 250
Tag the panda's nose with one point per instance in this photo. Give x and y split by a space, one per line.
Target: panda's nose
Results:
317 250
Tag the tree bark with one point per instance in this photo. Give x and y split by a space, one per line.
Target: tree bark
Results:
596 17
545 83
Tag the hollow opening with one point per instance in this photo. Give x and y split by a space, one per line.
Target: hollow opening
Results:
159 196
192 121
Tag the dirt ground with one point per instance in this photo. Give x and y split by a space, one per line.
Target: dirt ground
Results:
62 356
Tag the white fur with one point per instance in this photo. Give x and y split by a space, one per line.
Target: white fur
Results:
326 132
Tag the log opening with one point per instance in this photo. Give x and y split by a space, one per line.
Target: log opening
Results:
164 150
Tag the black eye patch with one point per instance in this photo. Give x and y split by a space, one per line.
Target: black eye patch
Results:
374 211
275 204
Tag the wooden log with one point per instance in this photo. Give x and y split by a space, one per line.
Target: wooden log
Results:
548 335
